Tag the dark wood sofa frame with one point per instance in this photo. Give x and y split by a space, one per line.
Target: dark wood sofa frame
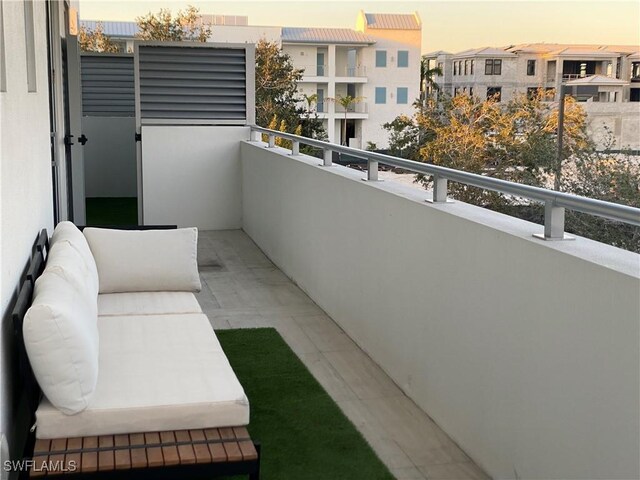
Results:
184 454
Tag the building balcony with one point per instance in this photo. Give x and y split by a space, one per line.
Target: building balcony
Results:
356 110
314 73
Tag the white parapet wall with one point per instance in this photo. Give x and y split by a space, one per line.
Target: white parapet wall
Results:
191 176
526 352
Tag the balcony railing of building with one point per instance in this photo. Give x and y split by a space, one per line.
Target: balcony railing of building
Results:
360 107
554 202
314 70
360 71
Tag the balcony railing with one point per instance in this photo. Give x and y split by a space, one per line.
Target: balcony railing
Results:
360 71
360 107
314 70
555 202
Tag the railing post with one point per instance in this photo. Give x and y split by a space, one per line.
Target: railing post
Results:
439 189
372 170
255 136
272 140
553 222
295 148
328 158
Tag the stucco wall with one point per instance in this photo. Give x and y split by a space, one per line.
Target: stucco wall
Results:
25 175
191 176
110 157
526 352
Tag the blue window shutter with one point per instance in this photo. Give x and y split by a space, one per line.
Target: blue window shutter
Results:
403 58
381 95
381 58
403 95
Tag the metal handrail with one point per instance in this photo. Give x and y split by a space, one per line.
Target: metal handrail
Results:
555 202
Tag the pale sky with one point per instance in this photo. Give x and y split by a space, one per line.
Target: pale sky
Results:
450 25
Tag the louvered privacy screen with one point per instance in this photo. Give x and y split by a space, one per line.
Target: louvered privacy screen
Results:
108 87
199 84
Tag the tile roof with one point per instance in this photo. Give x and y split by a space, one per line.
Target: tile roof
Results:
324 35
393 21
113 29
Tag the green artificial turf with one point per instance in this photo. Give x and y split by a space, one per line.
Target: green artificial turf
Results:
304 434
112 211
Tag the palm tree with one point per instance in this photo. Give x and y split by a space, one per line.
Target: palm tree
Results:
347 102
427 81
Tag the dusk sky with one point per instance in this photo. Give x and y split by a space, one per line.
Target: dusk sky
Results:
447 25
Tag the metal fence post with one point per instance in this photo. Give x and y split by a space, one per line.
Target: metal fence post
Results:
327 158
553 222
295 148
372 170
272 140
439 189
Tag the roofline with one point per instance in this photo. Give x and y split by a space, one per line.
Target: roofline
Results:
316 42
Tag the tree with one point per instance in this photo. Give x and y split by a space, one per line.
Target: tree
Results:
95 40
276 85
427 82
347 102
185 25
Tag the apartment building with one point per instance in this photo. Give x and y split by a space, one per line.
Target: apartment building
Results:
377 63
612 72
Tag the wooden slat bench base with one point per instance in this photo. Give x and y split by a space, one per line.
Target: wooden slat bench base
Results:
187 453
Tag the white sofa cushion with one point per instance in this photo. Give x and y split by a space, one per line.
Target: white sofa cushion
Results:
164 372
147 303
61 339
67 231
66 262
145 260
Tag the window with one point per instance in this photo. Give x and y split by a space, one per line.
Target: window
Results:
381 95
494 93
466 67
471 89
403 58
531 67
402 95
455 68
492 66
471 67
455 91
381 58
441 68
532 92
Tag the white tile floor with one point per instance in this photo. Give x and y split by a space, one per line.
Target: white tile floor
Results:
243 289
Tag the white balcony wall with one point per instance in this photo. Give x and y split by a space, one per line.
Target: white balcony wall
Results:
525 352
25 180
110 157
191 176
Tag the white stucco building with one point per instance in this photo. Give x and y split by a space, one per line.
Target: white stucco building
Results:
377 61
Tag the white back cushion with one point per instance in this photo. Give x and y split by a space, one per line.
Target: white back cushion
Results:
61 338
67 231
145 260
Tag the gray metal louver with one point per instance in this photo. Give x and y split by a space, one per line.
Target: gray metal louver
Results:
199 84
108 85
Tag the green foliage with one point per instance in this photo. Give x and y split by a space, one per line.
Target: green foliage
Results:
96 41
278 103
517 141
276 85
185 25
